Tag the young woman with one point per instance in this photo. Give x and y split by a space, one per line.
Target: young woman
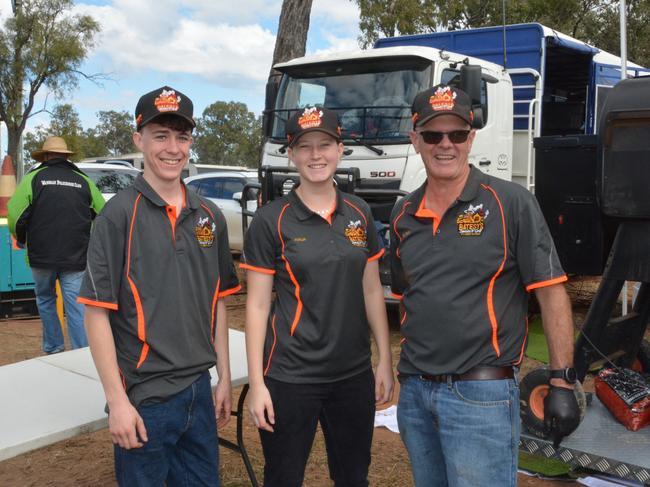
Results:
309 349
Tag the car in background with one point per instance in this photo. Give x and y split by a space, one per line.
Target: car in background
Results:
109 178
224 189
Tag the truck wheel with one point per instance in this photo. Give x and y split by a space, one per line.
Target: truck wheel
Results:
532 391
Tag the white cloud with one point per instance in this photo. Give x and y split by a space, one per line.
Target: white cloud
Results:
161 36
340 14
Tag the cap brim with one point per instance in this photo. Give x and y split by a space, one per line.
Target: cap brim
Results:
314 129
419 123
176 114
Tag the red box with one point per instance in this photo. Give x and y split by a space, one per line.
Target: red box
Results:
626 394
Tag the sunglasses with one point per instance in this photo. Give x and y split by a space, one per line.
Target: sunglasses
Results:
455 136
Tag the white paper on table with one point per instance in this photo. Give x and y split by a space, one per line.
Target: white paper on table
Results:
387 418
603 481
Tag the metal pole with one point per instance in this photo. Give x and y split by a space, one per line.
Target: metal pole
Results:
623 33
623 40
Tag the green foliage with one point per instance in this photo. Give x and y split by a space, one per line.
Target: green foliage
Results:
228 134
593 21
111 137
64 123
115 132
43 45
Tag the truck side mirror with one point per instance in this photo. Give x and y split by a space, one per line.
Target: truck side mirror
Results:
470 83
272 86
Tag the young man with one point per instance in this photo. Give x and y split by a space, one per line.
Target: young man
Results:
466 249
158 265
51 213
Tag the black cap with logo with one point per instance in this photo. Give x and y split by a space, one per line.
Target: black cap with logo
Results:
163 101
441 100
313 119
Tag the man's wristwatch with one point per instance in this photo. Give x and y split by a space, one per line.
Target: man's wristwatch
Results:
568 374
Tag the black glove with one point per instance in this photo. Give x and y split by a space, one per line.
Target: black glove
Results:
561 413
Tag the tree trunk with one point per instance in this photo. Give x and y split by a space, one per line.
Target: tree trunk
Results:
290 42
13 137
292 30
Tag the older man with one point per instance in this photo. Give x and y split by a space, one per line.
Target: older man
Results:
466 249
51 212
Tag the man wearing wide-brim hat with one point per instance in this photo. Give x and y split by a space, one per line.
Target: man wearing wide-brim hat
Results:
51 213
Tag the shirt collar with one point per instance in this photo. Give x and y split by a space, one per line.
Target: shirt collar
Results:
469 192
192 200
303 212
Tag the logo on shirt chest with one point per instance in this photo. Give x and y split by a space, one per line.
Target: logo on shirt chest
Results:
204 232
472 221
356 234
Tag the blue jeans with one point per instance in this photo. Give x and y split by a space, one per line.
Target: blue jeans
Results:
182 446
460 434
45 289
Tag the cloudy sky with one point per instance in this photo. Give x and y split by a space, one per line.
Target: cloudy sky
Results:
209 49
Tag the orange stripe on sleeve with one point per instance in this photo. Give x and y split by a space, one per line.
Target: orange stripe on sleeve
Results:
397 296
549 282
97 304
377 256
230 291
263 270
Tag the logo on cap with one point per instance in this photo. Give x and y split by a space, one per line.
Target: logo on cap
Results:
443 99
167 101
311 117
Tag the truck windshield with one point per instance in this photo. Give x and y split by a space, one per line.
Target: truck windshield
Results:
372 97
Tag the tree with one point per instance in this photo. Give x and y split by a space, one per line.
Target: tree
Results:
290 42
115 132
64 122
593 21
41 46
228 134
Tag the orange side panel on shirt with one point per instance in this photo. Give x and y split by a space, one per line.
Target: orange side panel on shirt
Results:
268 364
296 318
490 293
523 345
134 290
215 298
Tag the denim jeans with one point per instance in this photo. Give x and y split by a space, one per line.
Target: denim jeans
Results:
460 434
45 289
182 447
346 412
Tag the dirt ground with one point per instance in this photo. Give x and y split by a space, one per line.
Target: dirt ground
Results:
88 460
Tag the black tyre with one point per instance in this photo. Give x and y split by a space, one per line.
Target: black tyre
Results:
532 391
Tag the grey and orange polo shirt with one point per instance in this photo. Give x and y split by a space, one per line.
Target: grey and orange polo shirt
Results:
160 274
317 330
464 278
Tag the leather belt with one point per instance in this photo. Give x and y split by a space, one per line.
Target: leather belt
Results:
480 372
